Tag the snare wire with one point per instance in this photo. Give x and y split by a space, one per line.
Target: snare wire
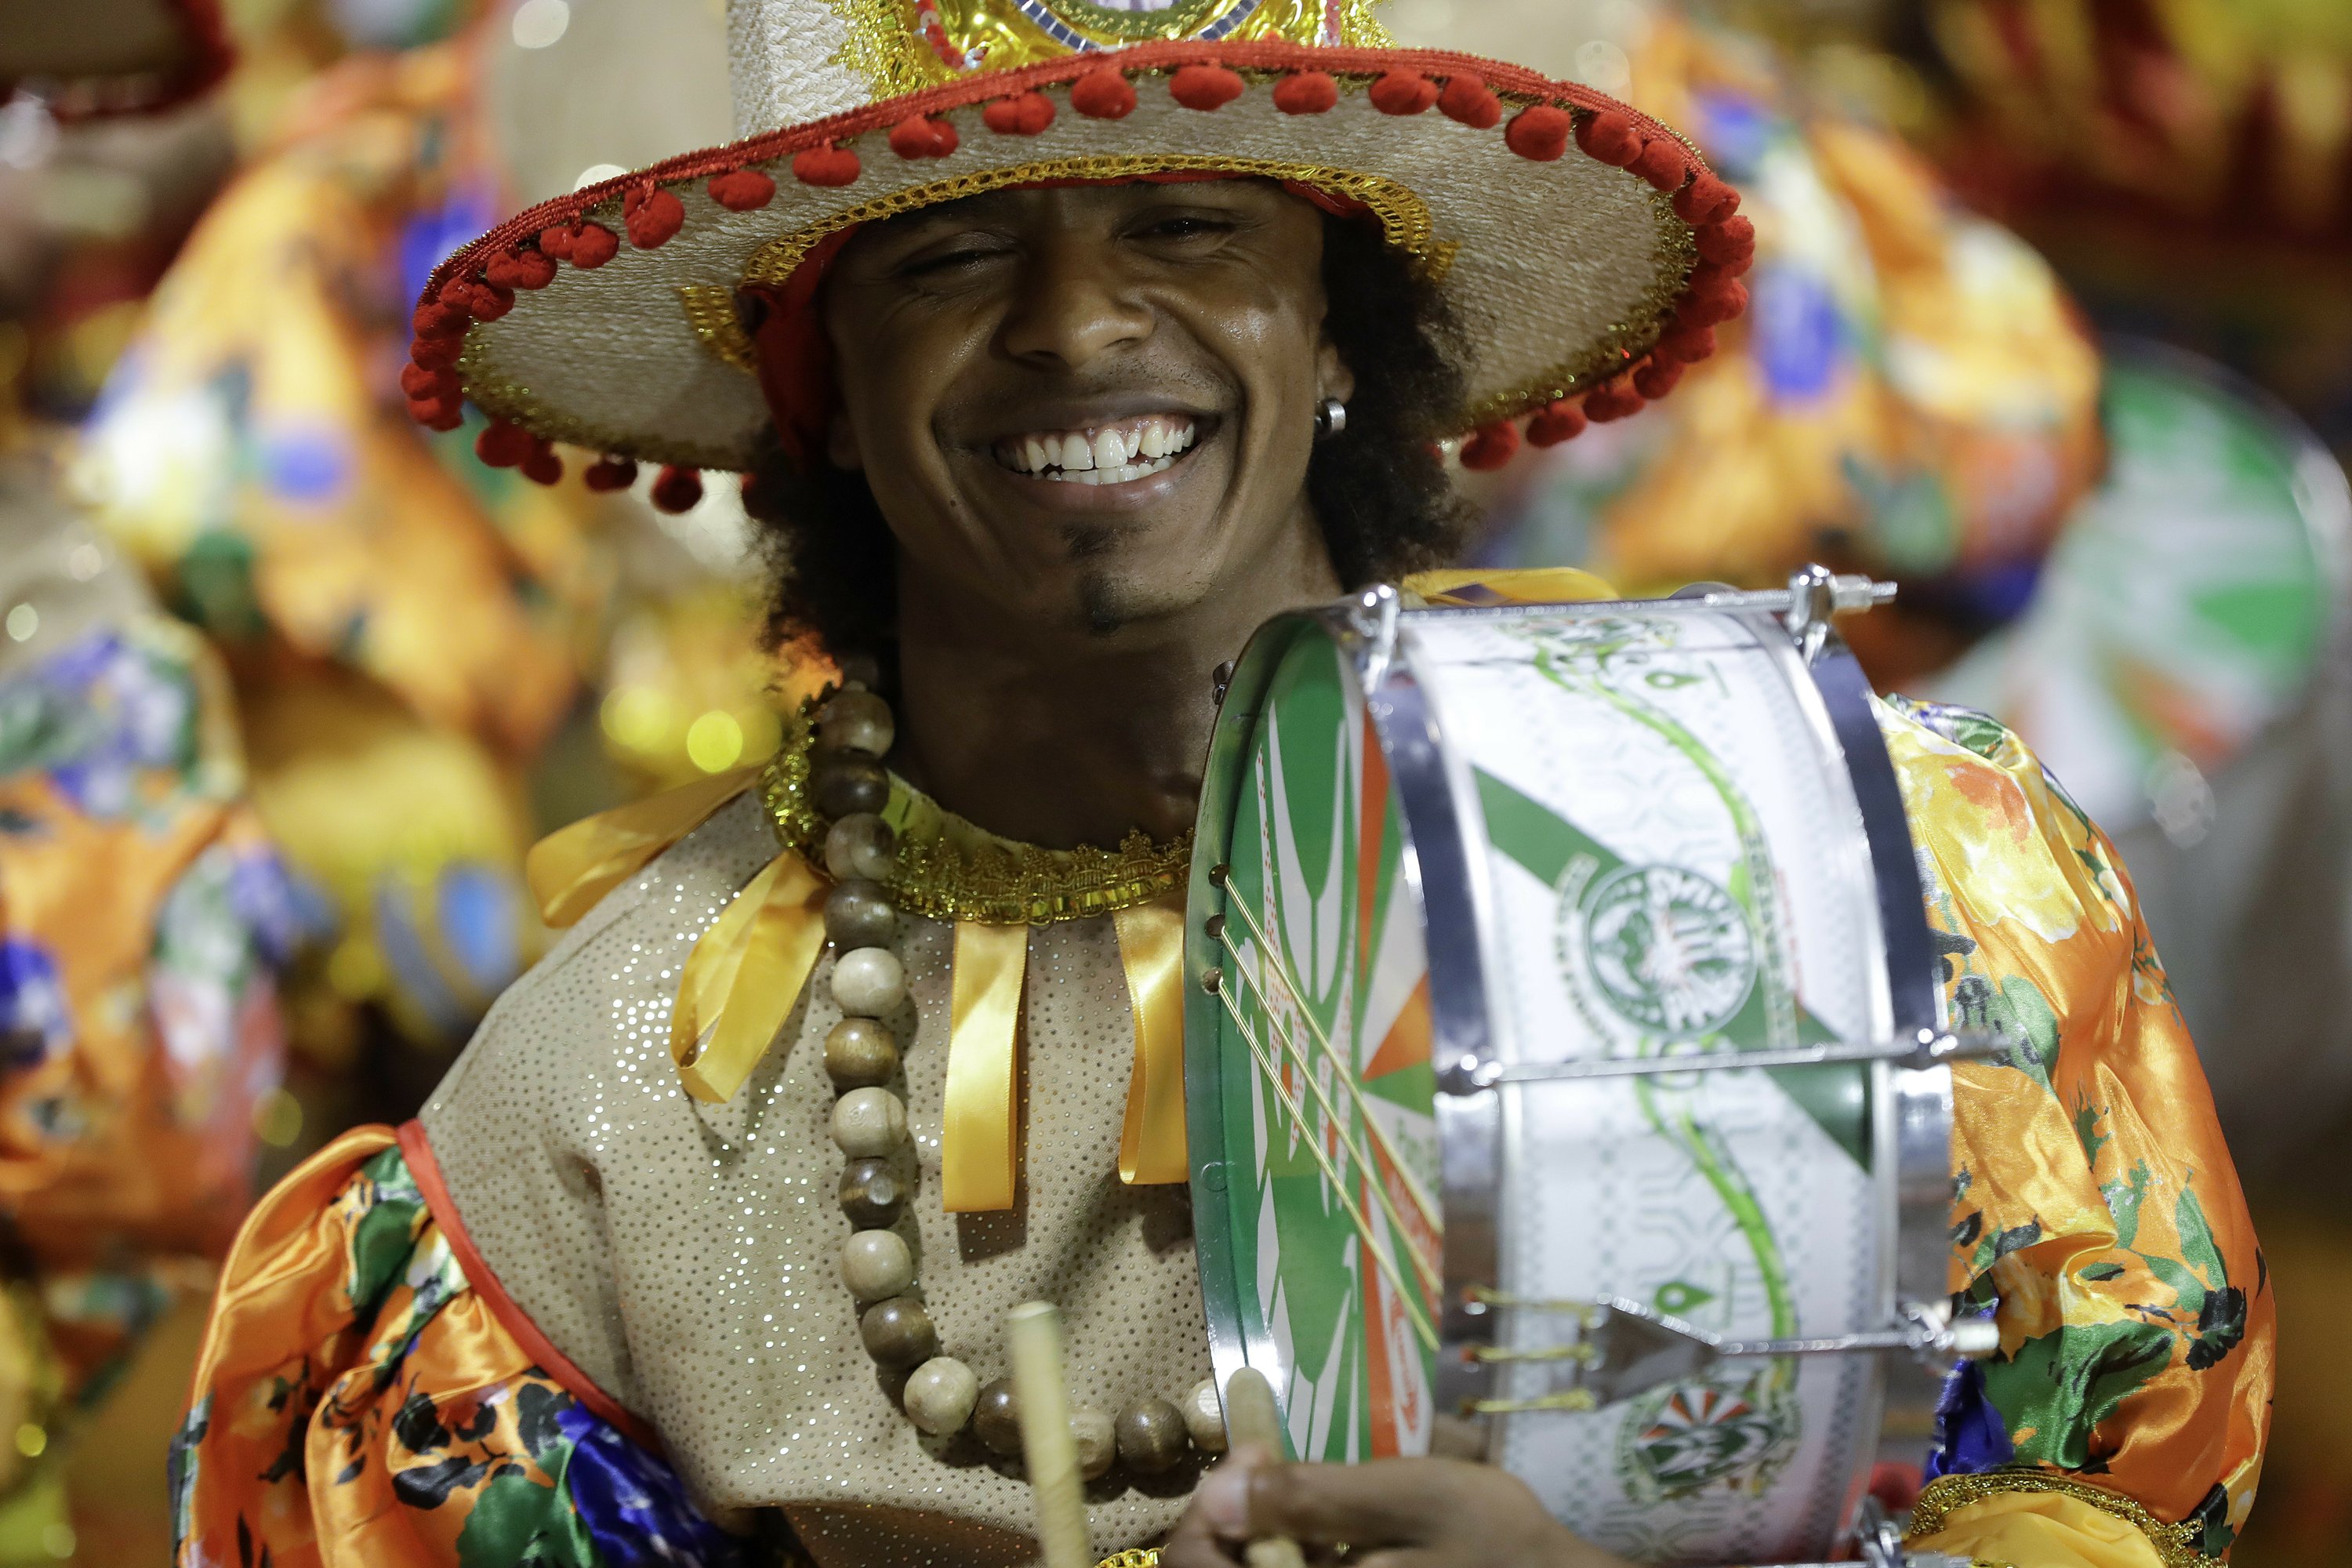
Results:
1412 1184
1406 1297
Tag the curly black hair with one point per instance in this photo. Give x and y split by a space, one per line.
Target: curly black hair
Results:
1379 488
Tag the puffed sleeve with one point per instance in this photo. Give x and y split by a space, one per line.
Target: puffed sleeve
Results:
357 1401
2096 1215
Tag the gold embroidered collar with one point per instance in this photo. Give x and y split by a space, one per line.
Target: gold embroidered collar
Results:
952 870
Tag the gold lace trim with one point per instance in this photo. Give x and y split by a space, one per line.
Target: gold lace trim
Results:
950 870
710 311
2176 1545
885 47
1134 1557
1404 217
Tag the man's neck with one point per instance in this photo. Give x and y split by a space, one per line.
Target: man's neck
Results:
1056 735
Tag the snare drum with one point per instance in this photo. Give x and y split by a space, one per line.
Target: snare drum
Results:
1562 1073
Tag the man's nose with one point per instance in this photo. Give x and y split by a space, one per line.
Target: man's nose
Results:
1071 304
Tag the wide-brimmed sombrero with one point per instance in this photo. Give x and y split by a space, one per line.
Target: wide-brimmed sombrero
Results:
1586 249
90 57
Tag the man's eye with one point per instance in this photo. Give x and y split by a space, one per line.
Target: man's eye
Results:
948 263
1184 229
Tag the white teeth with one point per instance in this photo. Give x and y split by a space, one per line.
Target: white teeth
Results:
1111 455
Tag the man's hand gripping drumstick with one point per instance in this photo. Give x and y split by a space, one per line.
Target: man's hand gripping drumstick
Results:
1257 1510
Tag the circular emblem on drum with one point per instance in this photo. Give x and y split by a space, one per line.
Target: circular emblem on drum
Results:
1667 950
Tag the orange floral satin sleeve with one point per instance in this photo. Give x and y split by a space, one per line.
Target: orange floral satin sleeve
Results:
2096 1213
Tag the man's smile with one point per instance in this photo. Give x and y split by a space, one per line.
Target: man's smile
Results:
1112 454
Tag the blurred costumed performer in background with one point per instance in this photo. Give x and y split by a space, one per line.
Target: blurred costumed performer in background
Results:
141 910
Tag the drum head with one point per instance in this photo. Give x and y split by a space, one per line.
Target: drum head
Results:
1310 1091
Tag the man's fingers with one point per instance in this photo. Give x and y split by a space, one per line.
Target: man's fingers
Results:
1194 1544
1387 1502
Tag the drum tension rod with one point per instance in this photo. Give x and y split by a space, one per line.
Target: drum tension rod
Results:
1626 1348
1922 1049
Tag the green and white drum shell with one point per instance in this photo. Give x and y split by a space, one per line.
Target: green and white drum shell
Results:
1440 849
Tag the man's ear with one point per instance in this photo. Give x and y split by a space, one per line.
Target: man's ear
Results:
841 444
1332 376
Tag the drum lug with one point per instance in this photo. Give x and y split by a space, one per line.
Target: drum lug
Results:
1817 595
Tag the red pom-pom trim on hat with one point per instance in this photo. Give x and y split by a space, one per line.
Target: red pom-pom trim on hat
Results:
1024 114
1713 305
436 414
741 190
1706 200
490 301
556 241
437 353
435 319
504 445
1307 92
542 467
832 166
1103 93
923 137
1491 446
1403 92
1469 101
1657 378
1662 163
595 244
1731 243
610 474
1205 88
677 490
652 216
520 269
1609 137
416 381
1688 344
1614 401
1539 132
1560 422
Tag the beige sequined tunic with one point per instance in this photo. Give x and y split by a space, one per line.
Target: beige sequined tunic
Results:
684 1254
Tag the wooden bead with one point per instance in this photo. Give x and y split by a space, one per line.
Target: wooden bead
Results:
1151 1436
1204 1417
858 913
856 721
861 846
875 1263
939 1395
996 1419
859 1053
869 1123
899 1331
1098 1444
873 1195
844 784
868 982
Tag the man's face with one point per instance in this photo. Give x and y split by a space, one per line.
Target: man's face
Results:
1093 404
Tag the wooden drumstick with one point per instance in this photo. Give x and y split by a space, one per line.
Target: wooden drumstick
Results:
1250 1418
1043 1399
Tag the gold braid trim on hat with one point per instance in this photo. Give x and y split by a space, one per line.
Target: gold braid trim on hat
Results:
1404 217
1134 1557
2176 1545
887 47
950 870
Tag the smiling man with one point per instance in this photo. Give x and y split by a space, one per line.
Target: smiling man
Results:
1060 358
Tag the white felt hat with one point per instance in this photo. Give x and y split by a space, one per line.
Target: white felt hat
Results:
1584 246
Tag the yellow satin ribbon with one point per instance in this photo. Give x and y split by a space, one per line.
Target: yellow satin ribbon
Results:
1152 950
573 867
978 1137
744 976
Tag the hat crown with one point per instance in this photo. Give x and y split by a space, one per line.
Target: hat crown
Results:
798 60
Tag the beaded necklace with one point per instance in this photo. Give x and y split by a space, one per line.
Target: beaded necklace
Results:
847 788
